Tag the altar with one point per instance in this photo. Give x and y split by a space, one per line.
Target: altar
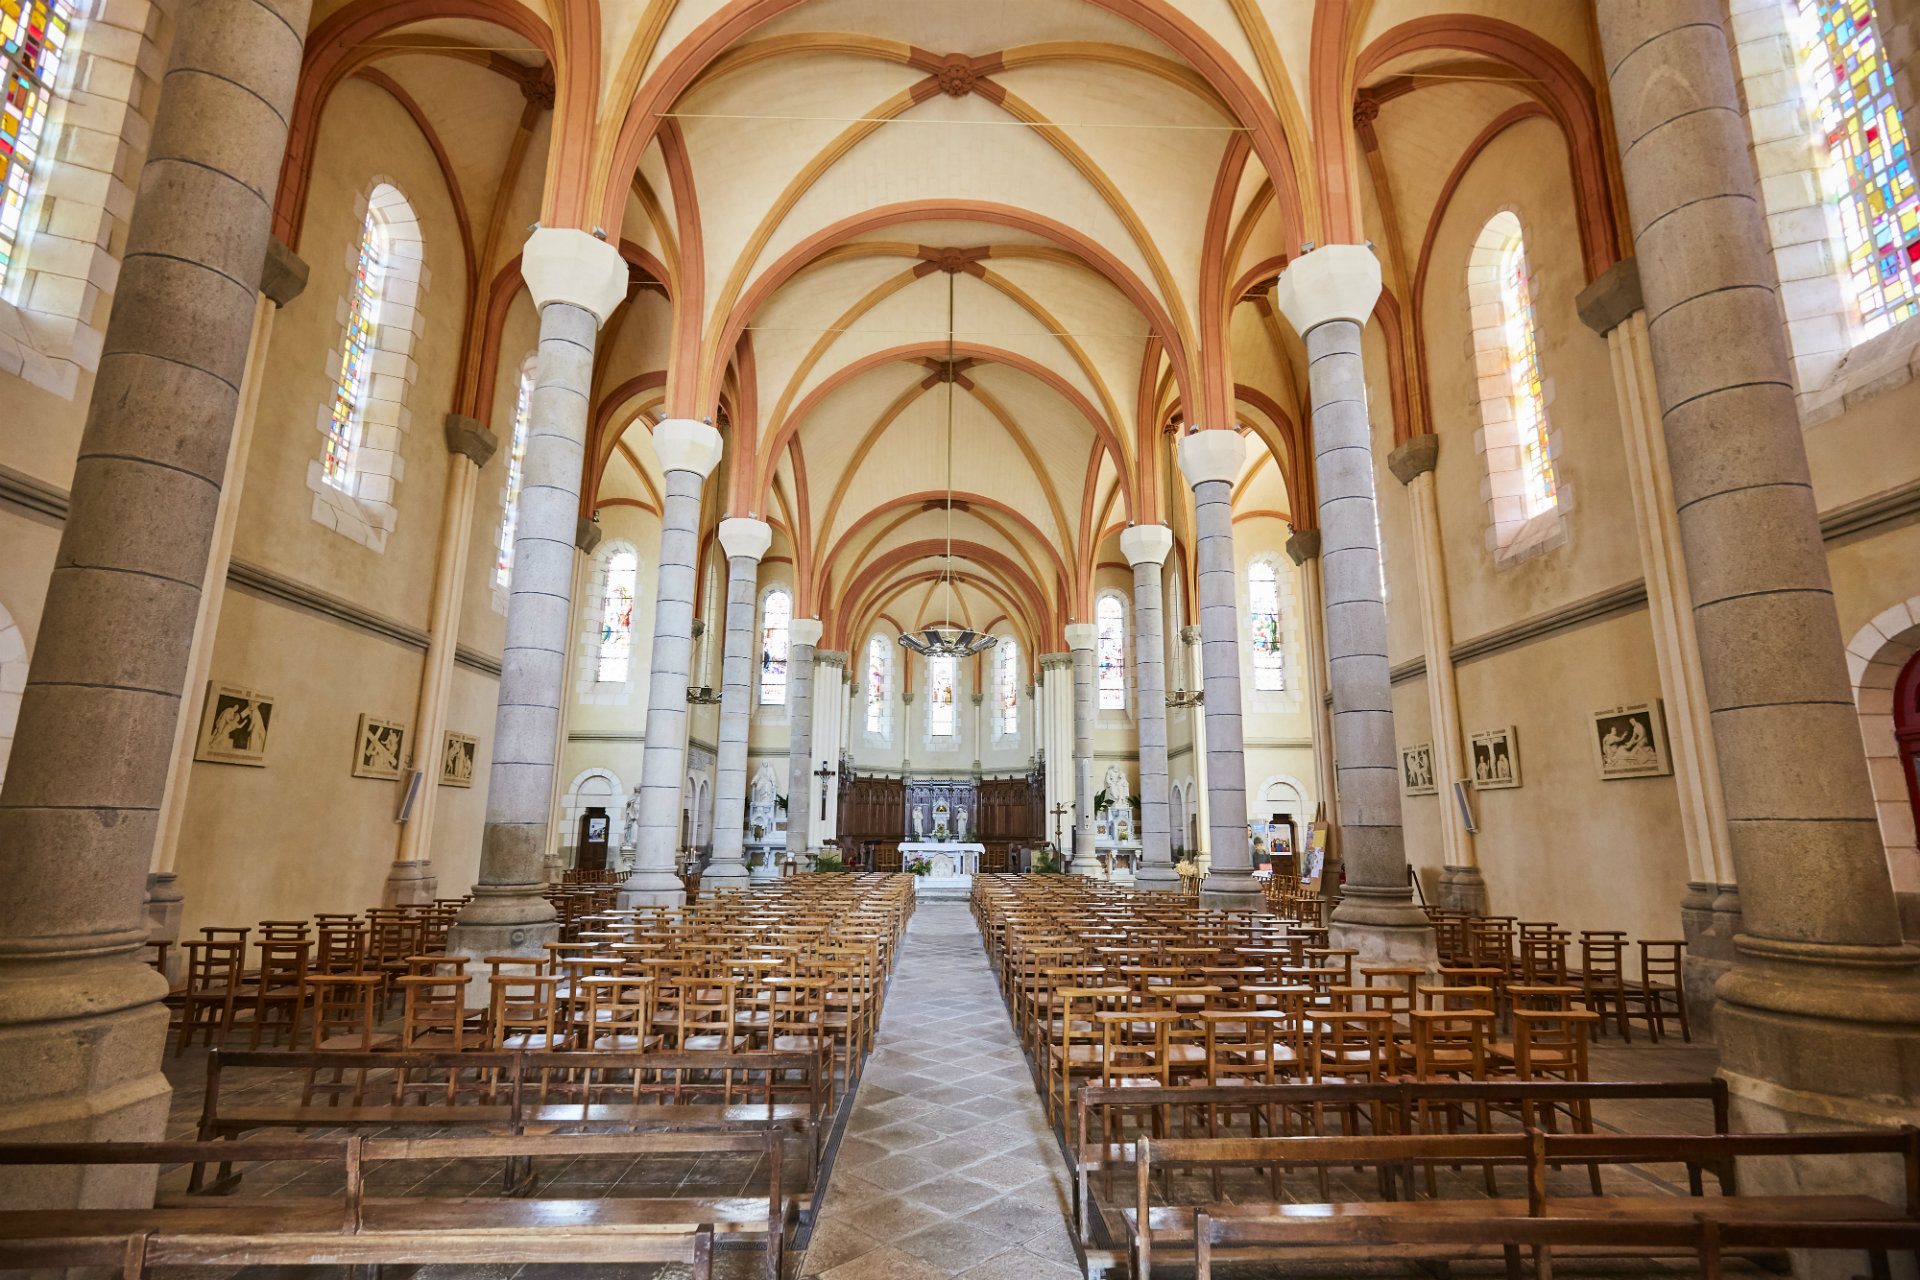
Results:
950 858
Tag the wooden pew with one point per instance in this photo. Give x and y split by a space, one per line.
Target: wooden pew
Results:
1633 1226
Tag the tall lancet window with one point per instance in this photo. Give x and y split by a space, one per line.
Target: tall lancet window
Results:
1524 490
1868 179
1007 685
516 466
776 627
33 42
1523 375
1110 652
879 682
1263 621
356 360
616 617
942 672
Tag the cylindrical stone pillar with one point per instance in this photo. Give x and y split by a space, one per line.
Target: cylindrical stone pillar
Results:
829 726
1056 691
744 541
1146 548
1081 637
1303 547
1327 295
1211 460
803 634
1820 1014
81 1024
1202 813
576 281
688 452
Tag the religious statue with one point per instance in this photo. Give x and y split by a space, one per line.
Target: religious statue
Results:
919 823
1117 790
630 833
761 810
959 824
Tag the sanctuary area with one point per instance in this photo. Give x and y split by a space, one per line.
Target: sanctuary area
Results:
904 639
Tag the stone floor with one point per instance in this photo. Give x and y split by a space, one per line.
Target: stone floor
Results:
947 1167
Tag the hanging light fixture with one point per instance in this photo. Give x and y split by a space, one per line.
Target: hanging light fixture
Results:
939 642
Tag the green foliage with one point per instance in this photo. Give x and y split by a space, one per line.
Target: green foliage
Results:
1047 863
828 862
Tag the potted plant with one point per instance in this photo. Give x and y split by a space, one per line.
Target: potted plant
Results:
1046 862
829 864
919 865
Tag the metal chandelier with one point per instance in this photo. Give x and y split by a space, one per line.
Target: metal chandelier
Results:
938 642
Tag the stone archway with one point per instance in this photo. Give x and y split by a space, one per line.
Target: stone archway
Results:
1876 656
590 788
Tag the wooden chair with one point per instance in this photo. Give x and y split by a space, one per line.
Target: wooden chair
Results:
1660 993
280 999
523 1012
212 986
345 1017
1603 978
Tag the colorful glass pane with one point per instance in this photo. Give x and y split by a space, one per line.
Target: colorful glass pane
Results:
33 40
1110 652
616 617
1869 175
879 661
1263 617
516 465
941 671
356 361
1523 376
1008 692
776 620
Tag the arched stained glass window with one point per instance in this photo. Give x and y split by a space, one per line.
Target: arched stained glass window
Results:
616 617
1523 375
1110 652
942 673
1868 177
356 360
776 624
1523 488
879 682
1007 685
33 40
1263 620
516 466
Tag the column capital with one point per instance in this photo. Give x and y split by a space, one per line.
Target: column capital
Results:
1415 457
740 536
1212 455
1304 545
1146 544
1333 282
1189 635
804 631
1055 661
1080 635
830 658
561 264
283 273
1611 298
687 444
587 535
976 698
470 439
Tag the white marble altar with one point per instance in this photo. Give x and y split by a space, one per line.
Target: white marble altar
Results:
950 858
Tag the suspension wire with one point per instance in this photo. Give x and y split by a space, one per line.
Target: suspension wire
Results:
952 377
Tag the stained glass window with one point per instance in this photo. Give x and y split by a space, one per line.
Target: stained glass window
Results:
879 667
33 39
941 671
1007 690
1110 652
1869 175
1263 618
1523 375
356 361
616 617
776 620
516 464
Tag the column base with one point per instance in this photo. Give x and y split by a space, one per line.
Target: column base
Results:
410 884
1156 878
653 889
731 874
1709 921
1376 944
91 1078
1232 891
1463 889
165 906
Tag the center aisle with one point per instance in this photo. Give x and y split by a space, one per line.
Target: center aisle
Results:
948 1167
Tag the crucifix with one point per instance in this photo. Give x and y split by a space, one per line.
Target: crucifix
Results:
823 773
1059 811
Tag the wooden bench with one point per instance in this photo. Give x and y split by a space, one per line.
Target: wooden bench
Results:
1397 1105
357 1229
512 1093
1635 1226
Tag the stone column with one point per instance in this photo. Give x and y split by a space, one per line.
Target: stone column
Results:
1055 672
1710 911
829 720
744 541
1081 637
1304 549
470 446
81 1024
586 539
688 452
1211 460
1146 548
1327 295
576 281
1197 731
1462 887
803 634
1819 1018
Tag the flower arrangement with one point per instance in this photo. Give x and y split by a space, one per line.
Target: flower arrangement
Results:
1185 869
919 866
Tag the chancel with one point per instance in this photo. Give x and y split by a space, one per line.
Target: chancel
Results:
873 601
